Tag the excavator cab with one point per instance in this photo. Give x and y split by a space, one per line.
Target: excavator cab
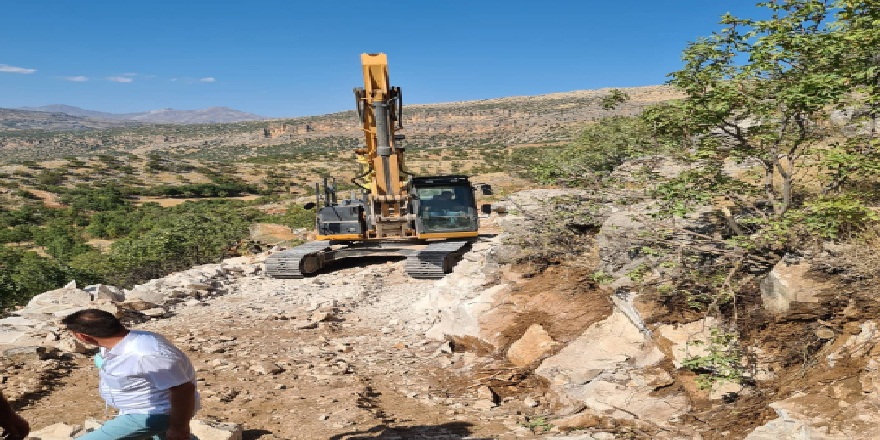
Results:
443 204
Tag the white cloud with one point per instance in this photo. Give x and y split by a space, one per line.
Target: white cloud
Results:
129 74
120 79
209 79
13 69
173 79
78 78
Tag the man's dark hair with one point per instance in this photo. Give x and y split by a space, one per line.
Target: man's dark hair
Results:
94 322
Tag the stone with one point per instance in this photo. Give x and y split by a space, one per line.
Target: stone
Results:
484 405
138 305
790 283
206 430
145 295
794 423
724 390
687 340
155 312
73 345
8 337
58 431
486 393
320 316
824 333
104 292
265 368
532 346
530 402
91 424
18 321
857 345
602 370
194 303
25 354
66 296
578 421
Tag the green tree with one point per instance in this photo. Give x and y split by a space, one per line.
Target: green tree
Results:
760 89
61 240
855 39
599 149
614 98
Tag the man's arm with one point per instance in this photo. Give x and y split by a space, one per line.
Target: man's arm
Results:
183 405
14 426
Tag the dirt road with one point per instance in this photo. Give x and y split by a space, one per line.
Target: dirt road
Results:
338 356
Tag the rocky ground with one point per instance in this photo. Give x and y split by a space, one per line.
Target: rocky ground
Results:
492 351
343 355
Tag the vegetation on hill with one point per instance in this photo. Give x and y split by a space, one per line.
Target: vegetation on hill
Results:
792 102
44 248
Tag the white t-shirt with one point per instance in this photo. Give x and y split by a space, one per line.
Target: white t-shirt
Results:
138 371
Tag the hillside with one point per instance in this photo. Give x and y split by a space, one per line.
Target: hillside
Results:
495 122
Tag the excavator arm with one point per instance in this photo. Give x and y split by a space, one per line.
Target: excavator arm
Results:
381 159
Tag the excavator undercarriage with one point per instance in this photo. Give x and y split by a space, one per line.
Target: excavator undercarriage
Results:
426 261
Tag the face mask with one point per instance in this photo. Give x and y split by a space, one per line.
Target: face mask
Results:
99 361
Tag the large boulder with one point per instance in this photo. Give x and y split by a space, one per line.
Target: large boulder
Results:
788 283
56 303
612 369
532 346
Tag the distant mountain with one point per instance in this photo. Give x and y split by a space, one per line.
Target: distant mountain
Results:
74 111
24 120
211 115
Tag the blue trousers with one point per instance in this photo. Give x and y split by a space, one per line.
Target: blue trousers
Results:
132 427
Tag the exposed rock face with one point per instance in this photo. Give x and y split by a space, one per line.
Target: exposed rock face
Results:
533 345
613 370
58 303
460 298
687 340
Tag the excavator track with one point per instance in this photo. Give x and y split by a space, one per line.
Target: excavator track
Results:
297 262
435 260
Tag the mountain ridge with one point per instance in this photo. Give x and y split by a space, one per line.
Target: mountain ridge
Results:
210 115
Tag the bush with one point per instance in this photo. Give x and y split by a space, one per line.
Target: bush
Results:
599 149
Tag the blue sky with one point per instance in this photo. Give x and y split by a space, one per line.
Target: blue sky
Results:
290 58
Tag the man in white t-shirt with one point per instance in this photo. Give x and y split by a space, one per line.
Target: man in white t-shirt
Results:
150 381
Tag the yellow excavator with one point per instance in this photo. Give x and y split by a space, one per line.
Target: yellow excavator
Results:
429 220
